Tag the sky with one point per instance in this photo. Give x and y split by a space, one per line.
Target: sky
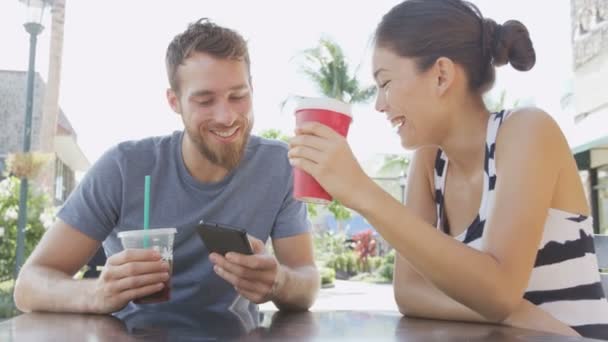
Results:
113 75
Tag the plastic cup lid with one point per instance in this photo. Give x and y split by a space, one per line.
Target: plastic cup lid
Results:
325 103
149 232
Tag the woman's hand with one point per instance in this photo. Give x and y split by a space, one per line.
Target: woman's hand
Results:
325 155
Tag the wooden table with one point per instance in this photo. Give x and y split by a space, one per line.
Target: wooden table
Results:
307 326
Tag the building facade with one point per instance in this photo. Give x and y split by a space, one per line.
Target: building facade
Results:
57 178
588 102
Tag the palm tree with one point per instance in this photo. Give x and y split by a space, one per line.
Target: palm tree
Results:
394 164
273 133
393 173
495 105
326 66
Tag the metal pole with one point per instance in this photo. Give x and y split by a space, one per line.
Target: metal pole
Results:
33 29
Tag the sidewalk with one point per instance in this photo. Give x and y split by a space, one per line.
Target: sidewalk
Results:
351 295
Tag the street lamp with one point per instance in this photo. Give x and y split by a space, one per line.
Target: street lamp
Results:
402 181
33 26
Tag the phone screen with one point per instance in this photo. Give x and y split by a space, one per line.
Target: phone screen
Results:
222 239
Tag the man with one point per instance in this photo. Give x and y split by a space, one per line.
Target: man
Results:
213 170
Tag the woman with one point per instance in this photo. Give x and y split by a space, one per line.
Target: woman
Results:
496 226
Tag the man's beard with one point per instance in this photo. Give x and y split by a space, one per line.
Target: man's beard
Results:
227 156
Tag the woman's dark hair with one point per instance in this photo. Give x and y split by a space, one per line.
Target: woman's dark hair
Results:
429 29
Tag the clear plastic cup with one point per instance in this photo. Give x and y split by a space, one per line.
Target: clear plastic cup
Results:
159 239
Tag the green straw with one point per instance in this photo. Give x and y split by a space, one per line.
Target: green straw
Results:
146 209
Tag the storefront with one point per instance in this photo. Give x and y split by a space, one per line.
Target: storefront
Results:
592 162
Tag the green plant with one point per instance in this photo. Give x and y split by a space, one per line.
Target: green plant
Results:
328 244
275 134
7 304
498 104
328 276
340 212
394 164
326 66
375 262
386 272
389 258
352 263
340 263
388 265
39 214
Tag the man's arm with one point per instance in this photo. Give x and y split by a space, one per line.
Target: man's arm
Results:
46 282
299 280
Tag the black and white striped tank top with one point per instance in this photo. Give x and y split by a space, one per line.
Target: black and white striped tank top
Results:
565 280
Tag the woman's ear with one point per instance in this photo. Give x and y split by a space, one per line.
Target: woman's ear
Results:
444 73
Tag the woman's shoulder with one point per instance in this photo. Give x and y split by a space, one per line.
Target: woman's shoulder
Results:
521 122
528 118
529 129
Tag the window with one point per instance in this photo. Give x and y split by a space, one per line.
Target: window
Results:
2 166
64 181
602 196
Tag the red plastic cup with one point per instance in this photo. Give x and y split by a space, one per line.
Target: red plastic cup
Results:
332 113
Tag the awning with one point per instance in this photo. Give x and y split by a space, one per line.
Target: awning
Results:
70 153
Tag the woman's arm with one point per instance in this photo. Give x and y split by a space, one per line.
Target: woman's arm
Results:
491 281
417 297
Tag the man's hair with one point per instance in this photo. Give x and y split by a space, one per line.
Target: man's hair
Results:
207 37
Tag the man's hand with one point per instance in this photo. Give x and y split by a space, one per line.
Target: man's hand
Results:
128 275
255 277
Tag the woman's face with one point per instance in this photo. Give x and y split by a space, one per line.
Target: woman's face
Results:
408 97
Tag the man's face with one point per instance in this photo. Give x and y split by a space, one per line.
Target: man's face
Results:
215 103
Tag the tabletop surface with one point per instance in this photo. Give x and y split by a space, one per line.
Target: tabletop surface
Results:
278 326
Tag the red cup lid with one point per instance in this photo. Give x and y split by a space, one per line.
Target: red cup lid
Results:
324 103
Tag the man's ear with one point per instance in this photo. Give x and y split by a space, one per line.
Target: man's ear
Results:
444 72
173 100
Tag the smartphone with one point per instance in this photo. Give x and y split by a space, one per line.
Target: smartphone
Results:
221 239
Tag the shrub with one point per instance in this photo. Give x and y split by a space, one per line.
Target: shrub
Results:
351 263
386 272
39 215
328 276
389 258
375 262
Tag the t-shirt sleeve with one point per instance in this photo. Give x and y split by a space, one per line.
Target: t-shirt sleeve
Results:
292 218
93 207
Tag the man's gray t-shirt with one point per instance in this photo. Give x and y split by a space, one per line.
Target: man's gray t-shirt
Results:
255 196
